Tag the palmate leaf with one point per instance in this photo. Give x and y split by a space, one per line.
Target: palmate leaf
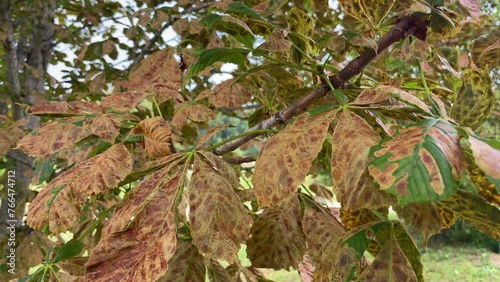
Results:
351 142
219 222
60 203
233 26
194 112
157 135
277 239
422 164
286 158
140 238
369 11
187 264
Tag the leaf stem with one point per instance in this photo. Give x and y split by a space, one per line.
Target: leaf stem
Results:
435 108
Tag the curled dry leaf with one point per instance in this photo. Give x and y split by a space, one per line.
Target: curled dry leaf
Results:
157 136
59 204
106 127
229 94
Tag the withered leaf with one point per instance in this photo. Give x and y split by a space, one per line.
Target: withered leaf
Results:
106 127
187 264
157 136
197 113
229 94
287 157
60 203
123 102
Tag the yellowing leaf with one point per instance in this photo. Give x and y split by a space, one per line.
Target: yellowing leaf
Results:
422 164
140 238
475 99
157 136
351 142
276 42
286 158
60 203
53 137
277 238
369 11
486 49
229 94
391 264
66 108
219 221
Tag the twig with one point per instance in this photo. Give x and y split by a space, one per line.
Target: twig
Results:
409 25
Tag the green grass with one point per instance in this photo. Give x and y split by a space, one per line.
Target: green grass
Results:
440 264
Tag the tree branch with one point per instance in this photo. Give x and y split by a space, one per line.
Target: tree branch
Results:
414 24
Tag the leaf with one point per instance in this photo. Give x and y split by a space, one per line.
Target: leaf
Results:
486 49
272 6
286 158
426 218
391 264
140 238
475 211
276 42
70 249
208 57
194 112
277 240
445 22
422 164
230 25
229 94
369 11
60 203
157 136
211 132
185 265
53 137
483 166
65 109
158 68
242 10
106 126
473 6
123 102
223 167
219 222
475 99
351 142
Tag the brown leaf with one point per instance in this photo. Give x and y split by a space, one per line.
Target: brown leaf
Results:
351 142
391 264
10 135
123 102
209 134
426 218
223 167
106 127
53 137
229 94
286 158
59 204
158 68
197 113
157 136
187 264
219 221
66 108
276 42
277 239
140 238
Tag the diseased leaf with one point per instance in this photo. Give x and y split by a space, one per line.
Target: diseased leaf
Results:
486 49
65 108
60 203
475 211
158 68
369 11
196 112
140 238
230 25
229 94
106 127
445 22
422 164
277 239
475 99
483 166
53 137
219 222
391 264
354 218
157 136
209 134
287 157
271 7
222 167
351 142
216 272
426 218
185 265
10 135
123 102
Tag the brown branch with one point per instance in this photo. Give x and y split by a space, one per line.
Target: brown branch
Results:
409 25
237 161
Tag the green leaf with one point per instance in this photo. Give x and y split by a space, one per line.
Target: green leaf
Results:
236 8
422 164
233 26
72 248
208 57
